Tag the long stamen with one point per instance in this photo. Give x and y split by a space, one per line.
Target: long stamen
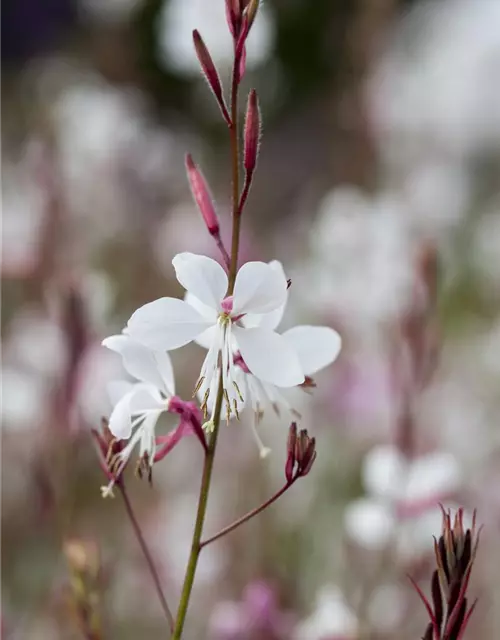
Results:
263 450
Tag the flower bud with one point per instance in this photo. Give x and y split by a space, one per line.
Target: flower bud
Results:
301 453
251 11
252 132
202 196
455 552
290 460
210 72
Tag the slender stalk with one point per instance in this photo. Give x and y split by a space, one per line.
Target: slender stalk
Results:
147 554
248 516
200 519
237 210
212 442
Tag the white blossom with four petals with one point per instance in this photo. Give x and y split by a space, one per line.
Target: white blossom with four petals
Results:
315 347
138 405
224 323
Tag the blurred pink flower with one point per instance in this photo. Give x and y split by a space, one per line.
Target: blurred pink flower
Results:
256 617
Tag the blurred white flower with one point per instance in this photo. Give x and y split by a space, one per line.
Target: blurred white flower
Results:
436 88
36 342
24 399
332 618
362 258
402 500
23 217
177 20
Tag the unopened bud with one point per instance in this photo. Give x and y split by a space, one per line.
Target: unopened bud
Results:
251 11
233 16
301 453
252 132
210 72
202 196
290 459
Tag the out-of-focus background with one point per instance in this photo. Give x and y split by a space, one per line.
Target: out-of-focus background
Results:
378 188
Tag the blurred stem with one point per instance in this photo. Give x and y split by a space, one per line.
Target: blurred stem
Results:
212 442
147 554
248 516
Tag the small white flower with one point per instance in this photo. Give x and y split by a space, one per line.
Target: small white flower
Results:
332 618
138 405
209 316
402 499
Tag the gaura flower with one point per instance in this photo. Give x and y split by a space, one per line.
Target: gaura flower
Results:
138 405
315 347
210 316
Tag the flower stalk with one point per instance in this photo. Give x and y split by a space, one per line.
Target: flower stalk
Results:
147 554
212 442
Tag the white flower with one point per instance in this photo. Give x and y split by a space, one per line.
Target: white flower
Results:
332 618
314 347
138 405
216 320
402 499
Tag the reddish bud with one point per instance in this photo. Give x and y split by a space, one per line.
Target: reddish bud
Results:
455 552
290 460
210 72
301 453
252 132
202 196
251 11
233 16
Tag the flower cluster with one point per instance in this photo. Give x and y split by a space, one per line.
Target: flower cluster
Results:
244 351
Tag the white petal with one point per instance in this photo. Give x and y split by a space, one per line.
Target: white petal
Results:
268 356
385 472
259 288
369 523
209 313
143 363
206 338
272 319
144 398
316 347
201 276
433 476
120 421
166 324
117 389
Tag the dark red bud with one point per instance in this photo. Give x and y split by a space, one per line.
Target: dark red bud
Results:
210 72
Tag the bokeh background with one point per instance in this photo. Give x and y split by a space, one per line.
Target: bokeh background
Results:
378 189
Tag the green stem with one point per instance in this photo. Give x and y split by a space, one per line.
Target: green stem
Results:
248 516
200 519
147 554
212 442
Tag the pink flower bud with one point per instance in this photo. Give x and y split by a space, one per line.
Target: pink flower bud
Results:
252 132
210 72
233 16
202 196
